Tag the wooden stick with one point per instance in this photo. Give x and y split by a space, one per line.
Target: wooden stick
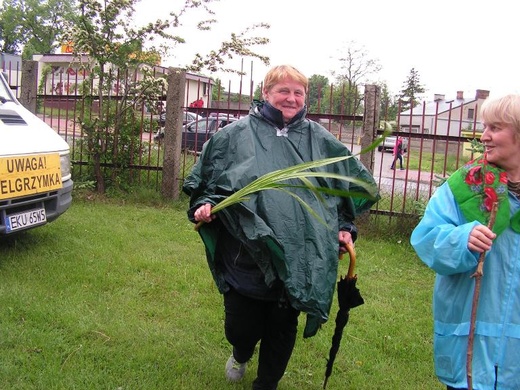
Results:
476 293
198 225
352 264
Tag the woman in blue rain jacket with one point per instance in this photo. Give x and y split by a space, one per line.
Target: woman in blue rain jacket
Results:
450 238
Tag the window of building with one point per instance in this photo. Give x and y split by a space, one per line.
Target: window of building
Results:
471 113
415 129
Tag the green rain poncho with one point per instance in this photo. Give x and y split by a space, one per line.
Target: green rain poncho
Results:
285 240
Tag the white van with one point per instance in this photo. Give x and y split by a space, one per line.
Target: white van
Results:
35 173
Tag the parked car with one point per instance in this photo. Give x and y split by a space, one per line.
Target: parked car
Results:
190 117
389 143
194 134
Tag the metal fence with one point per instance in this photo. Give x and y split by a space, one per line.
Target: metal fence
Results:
161 164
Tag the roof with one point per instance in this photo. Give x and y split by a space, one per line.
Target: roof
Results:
70 58
61 58
438 107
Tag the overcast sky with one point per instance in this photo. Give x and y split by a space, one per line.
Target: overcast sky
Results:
453 45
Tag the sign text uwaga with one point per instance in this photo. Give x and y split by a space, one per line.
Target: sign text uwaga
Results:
26 175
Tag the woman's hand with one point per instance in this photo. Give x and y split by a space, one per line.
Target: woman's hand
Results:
480 239
203 213
344 238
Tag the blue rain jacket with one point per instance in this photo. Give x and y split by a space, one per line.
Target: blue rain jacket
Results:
440 240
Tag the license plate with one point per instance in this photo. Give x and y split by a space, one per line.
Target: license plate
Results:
24 220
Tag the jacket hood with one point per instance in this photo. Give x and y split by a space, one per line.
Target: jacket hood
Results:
273 115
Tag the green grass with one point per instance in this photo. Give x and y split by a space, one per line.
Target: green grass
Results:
117 295
442 164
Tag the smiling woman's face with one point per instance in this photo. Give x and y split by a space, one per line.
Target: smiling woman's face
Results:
288 96
501 145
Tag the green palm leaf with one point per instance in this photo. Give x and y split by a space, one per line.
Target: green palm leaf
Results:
277 180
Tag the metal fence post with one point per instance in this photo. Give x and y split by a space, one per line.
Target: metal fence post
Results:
170 188
29 85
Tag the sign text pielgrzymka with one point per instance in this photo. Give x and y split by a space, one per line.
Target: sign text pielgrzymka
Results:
26 175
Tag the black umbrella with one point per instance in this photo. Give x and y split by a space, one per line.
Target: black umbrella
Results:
348 298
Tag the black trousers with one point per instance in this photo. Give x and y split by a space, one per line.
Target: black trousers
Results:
400 158
249 321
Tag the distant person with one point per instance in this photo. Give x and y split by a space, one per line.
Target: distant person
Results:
398 153
450 238
196 107
270 258
199 103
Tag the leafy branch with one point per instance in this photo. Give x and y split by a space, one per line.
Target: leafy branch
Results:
278 180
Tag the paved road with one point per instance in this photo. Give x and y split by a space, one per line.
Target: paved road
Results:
398 180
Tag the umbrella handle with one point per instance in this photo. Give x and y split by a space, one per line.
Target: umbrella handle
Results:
352 264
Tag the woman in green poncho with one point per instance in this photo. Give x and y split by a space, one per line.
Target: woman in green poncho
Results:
270 258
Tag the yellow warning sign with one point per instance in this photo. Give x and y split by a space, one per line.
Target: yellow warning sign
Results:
27 175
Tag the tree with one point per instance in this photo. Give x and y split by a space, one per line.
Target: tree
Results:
345 99
318 86
238 45
10 29
412 88
355 68
258 92
218 91
117 52
33 26
389 106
